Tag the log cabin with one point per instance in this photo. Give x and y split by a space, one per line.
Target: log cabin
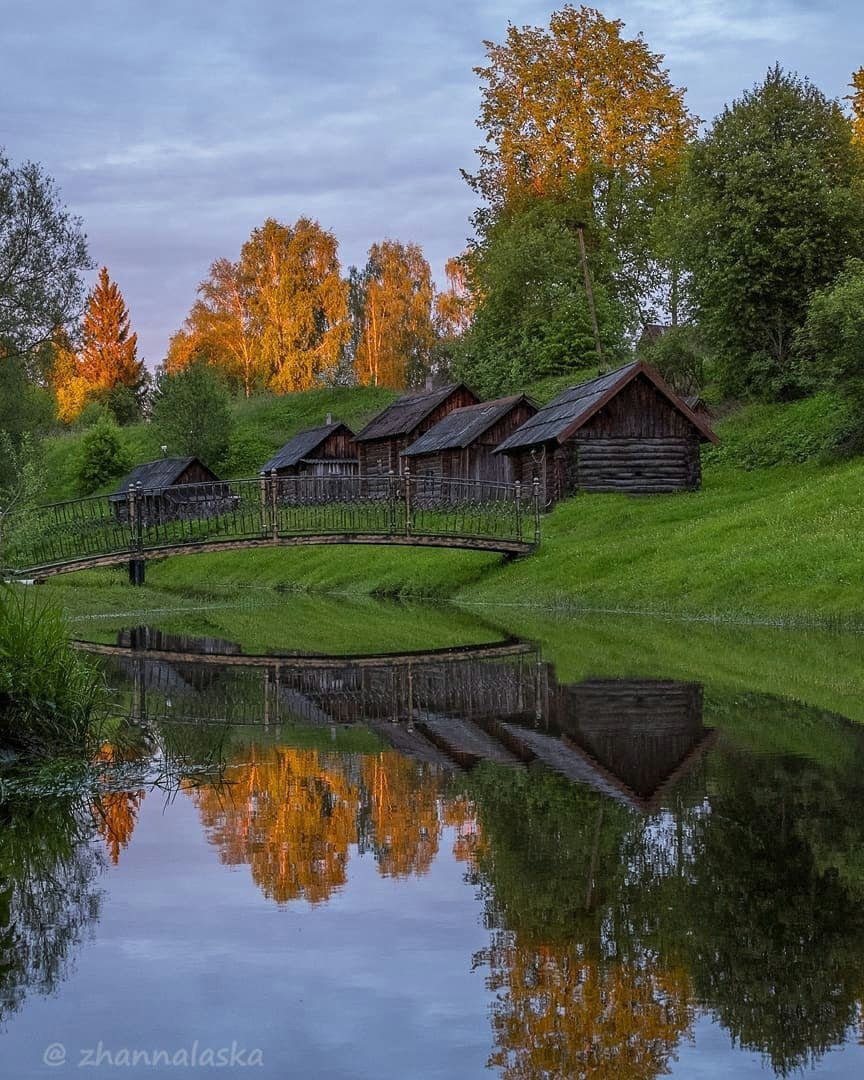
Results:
460 447
381 442
321 451
154 478
626 431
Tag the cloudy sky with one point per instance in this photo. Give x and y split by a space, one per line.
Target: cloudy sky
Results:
173 127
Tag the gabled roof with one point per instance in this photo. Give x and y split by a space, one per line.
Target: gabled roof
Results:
461 427
302 445
574 407
155 475
403 416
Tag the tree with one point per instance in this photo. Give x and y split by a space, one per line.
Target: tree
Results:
398 333
103 457
831 343
578 112
771 209
192 412
679 356
43 253
857 99
532 317
219 328
297 302
107 367
455 305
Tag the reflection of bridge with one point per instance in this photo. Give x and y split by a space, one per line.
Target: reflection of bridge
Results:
270 512
500 703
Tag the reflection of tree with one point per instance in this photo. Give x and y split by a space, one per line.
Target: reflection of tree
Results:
47 898
291 815
776 941
559 1014
404 808
115 813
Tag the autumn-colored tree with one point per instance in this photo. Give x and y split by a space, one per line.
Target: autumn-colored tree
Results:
297 301
219 329
398 331
455 305
857 99
580 114
109 351
108 360
574 102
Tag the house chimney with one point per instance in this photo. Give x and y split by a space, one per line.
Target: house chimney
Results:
329 417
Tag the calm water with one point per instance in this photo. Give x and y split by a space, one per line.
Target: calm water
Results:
489 862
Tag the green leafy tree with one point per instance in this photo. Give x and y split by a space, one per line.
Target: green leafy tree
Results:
43 253
679 356
831 343
532 317
771 208
102 457
192 412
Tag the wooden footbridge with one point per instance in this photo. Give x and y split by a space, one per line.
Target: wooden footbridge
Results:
137 525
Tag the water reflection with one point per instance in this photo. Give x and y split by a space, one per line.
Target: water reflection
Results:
648 854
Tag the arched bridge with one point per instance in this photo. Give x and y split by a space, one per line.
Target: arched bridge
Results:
271 511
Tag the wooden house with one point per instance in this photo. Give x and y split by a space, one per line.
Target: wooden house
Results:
649 338
697 405
202 491
322 451
459 447
625 432
381 442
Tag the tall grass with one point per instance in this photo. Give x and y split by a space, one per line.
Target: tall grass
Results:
51 698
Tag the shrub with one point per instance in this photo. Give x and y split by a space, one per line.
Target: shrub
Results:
51 699
192 412
102 457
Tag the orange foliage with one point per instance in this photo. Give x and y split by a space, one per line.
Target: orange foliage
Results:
404 813
561 1014
291 816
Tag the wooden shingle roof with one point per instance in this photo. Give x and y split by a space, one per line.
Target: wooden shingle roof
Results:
156 475
575 406
302 446
403 416
461 427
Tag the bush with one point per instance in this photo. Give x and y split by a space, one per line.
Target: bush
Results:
679 357
102 457
192 412
51 699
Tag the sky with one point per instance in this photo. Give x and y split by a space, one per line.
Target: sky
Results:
174 128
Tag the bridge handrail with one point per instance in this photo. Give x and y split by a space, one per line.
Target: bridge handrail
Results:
273 509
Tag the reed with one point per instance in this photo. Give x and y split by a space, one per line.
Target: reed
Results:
51 698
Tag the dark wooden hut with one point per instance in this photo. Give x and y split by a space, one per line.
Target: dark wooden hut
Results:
460 446
322 451
625 432
381 442
202 492
695 404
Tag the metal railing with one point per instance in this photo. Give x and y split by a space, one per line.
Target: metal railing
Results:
273 509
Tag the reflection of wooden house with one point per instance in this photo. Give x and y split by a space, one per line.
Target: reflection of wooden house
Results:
381 442
459 447
623 432
155 479
320 451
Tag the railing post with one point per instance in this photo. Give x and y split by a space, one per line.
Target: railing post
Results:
136 541
262 500
517 494
274 504
391 502
536 509
406 475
